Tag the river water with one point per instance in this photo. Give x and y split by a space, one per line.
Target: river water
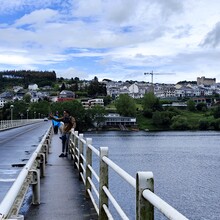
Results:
186 168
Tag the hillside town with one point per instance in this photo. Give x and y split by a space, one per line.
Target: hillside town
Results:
199 90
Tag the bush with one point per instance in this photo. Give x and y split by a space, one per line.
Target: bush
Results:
163 118
201 106
215 124
203 124
216 112
148 113
191 105
180 123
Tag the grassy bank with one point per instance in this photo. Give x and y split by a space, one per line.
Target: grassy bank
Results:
184 120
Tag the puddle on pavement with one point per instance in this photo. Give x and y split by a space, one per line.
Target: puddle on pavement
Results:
18 165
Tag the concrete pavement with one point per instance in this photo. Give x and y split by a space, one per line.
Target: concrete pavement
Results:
62 194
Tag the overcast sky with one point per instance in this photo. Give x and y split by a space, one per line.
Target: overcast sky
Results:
114 39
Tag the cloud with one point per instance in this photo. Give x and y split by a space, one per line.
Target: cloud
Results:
117 39
37 17
212 39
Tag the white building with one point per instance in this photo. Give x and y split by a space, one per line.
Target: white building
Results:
2 102
92 102
33 87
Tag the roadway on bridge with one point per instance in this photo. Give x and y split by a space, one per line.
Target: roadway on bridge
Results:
16 147
62 194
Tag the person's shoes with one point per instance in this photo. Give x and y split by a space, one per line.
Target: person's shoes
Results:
65 155
62 155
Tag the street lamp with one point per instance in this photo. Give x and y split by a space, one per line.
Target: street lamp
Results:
11 107
27 113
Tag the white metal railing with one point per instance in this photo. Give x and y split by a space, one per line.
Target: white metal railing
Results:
82 152
29 175
6 124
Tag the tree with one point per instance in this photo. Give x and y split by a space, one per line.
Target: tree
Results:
27 98
95 88
40 109
162 118
216 112
107 100
201 106
151 103
97 114
125 105
63 87
191 105
76 110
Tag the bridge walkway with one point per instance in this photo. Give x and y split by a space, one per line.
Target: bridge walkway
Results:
62 195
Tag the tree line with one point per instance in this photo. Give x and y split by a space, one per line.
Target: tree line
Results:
149 112
23 78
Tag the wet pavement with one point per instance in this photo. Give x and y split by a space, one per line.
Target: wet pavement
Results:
16 147
62 194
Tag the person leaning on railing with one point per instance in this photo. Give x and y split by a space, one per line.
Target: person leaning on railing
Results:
69 123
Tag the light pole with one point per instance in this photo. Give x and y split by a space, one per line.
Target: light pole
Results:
27 113
34 115
11 107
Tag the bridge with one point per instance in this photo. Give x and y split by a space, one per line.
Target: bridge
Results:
77 187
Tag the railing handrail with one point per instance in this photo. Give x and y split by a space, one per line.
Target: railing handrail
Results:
10 197
7 124
143 184
163 206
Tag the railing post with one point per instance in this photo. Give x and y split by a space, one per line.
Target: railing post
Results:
80 162
103 181
144 209
35 186
88 162
42 163
76 141
45 150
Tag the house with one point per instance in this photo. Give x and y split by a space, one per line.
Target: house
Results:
5 97
116 119
32 87
208 101
17 88
89 103
66 95
184 91
137 90
3 101
164 90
